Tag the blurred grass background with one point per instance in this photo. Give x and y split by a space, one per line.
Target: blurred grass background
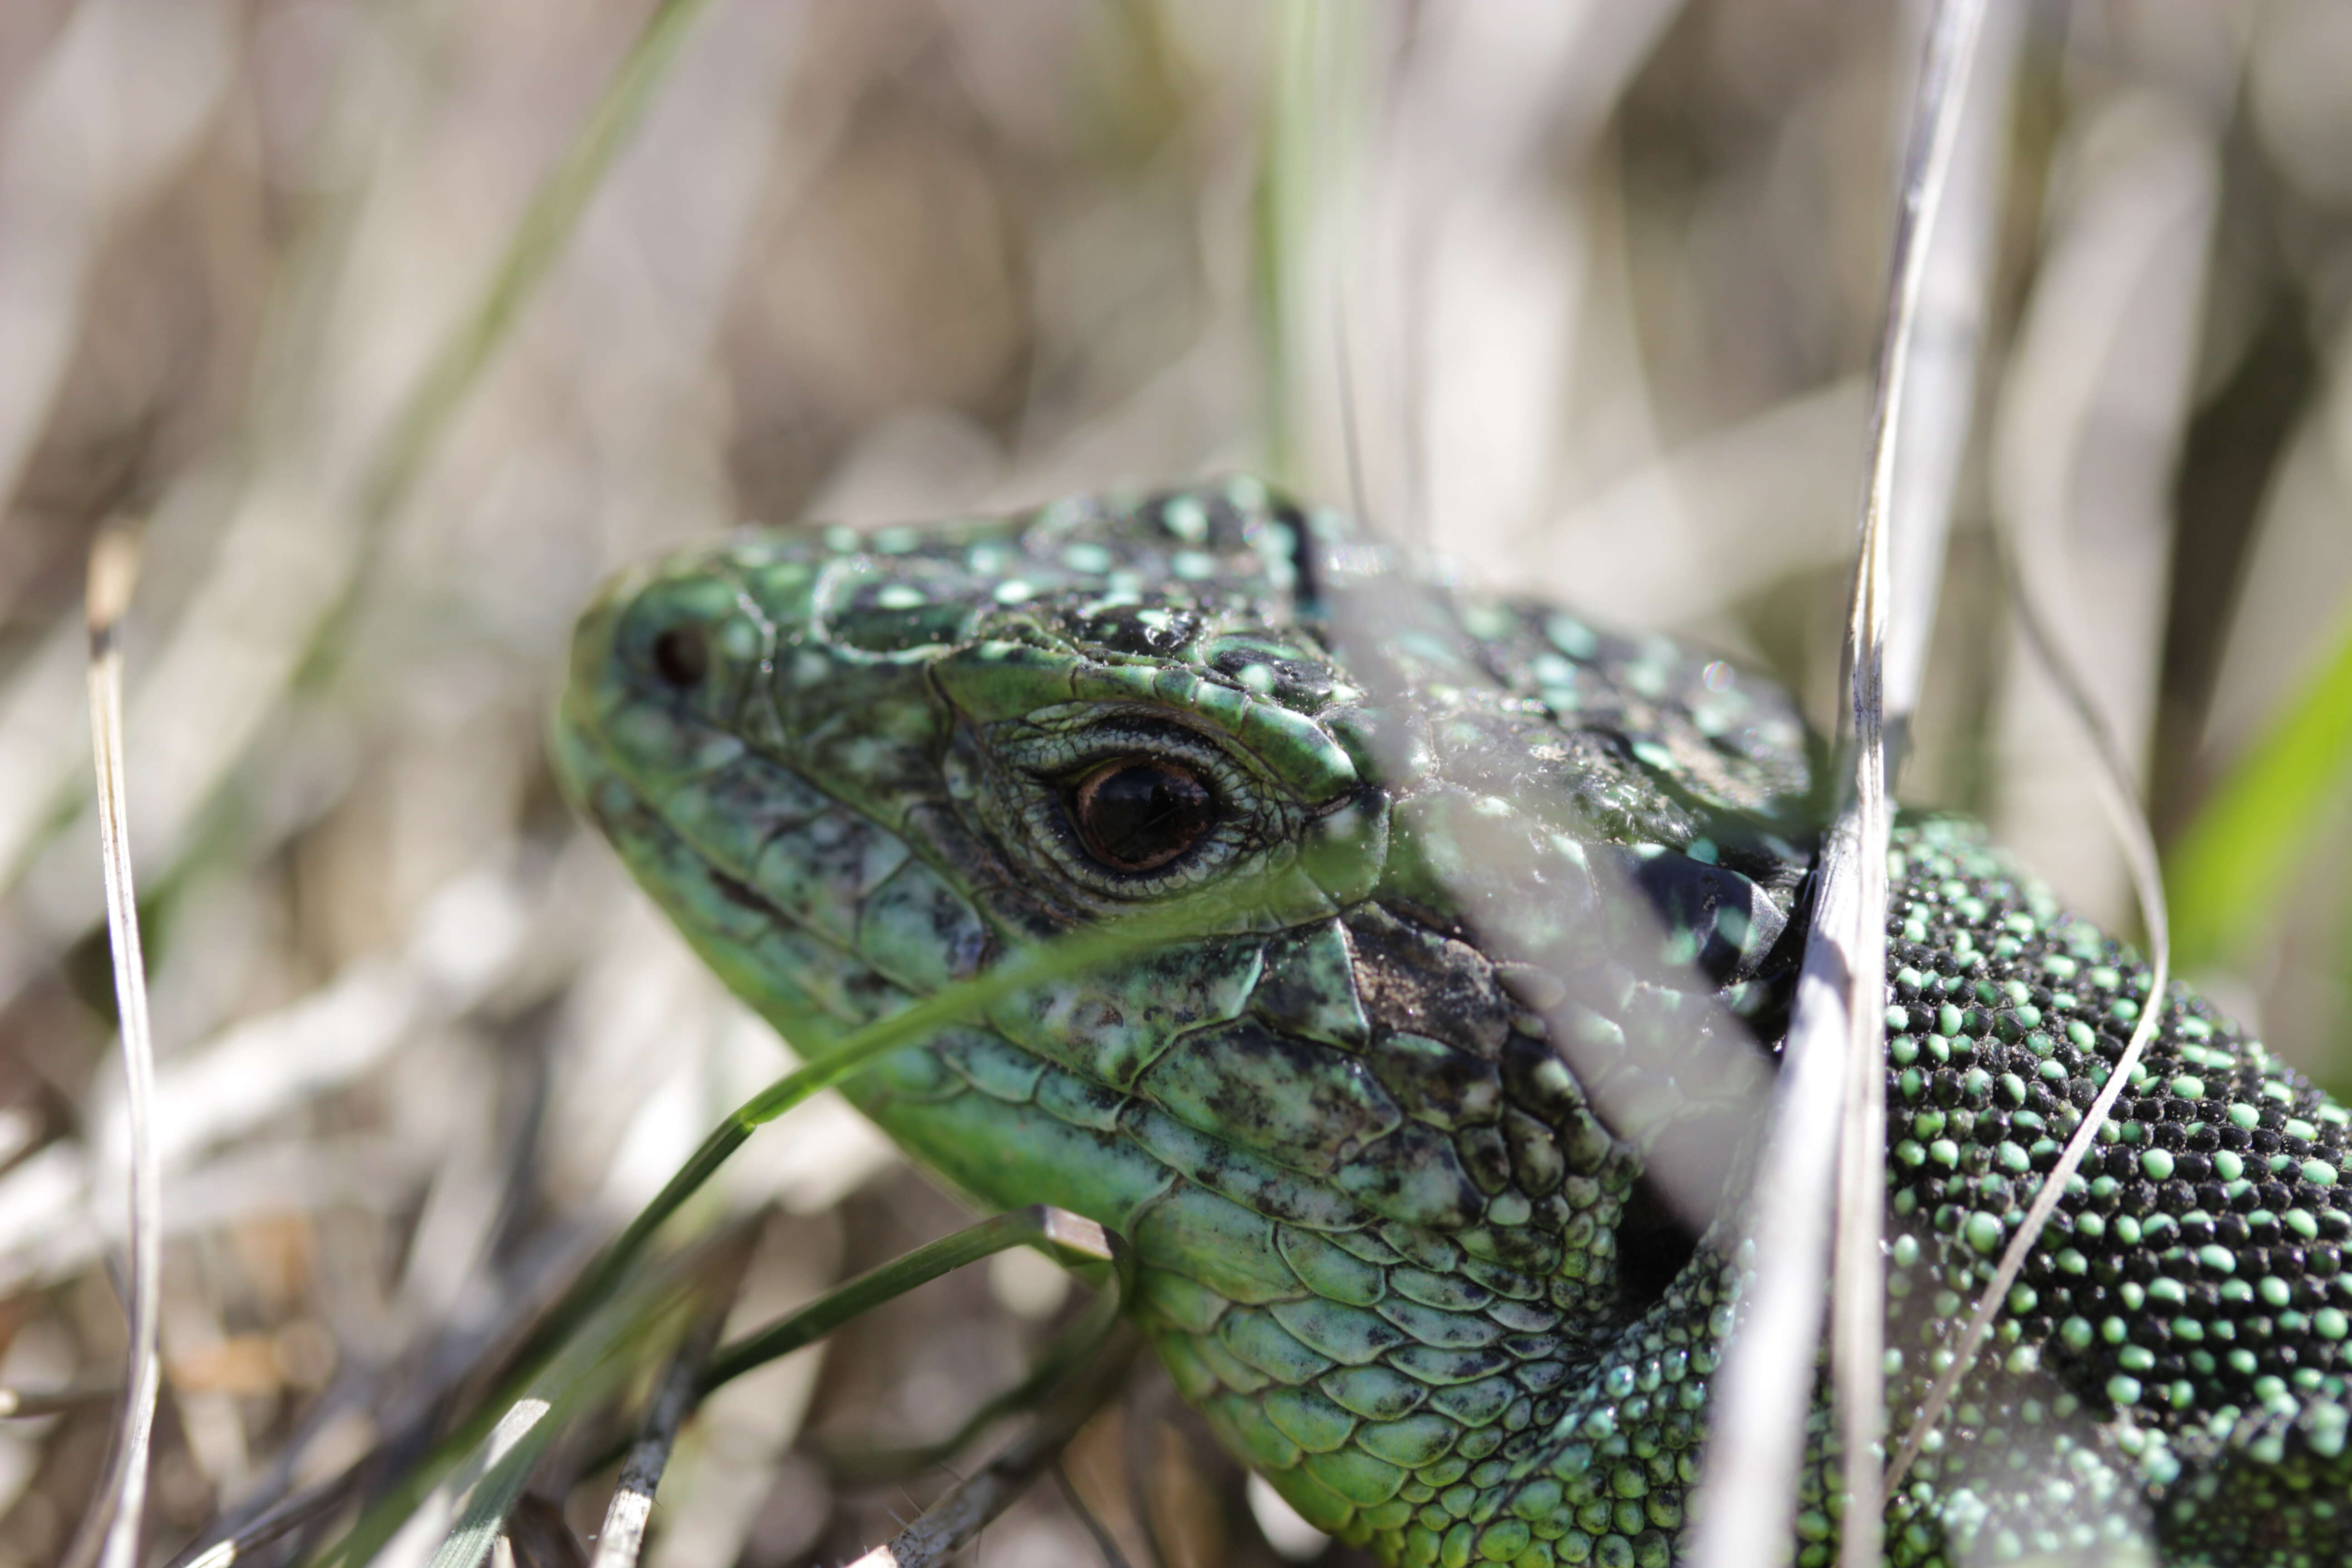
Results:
1596 286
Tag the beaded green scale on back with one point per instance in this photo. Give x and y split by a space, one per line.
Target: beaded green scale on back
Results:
1495 917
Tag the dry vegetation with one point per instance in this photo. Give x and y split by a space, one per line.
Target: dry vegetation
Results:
1609 276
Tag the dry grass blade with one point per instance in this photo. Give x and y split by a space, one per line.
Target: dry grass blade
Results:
110 1529
1833 1075
2116 794
1858 1315
1750 1488
1941 370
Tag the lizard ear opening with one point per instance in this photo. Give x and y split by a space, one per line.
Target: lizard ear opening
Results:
1654 1246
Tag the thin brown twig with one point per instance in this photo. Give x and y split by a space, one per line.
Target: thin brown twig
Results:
1139 1421
952 1522
1100 1533
20 1403
294 1512
623 1537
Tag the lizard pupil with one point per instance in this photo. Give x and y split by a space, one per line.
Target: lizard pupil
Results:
1139 814
680 659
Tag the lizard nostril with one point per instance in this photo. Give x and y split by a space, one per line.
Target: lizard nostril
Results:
680 658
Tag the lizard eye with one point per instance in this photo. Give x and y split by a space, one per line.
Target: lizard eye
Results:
1136 814
680 658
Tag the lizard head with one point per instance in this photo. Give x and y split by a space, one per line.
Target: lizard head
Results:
1039 722
1471 887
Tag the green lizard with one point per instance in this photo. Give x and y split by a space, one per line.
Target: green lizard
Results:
1493 908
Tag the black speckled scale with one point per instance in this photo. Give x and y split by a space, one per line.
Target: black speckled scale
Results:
2174 1356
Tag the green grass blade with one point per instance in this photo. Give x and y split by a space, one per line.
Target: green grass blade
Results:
537 239
1318 63
1066 1233
1073 1239
492 1476
2228 872
510 1451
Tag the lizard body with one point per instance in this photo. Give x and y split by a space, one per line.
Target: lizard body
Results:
1499 918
